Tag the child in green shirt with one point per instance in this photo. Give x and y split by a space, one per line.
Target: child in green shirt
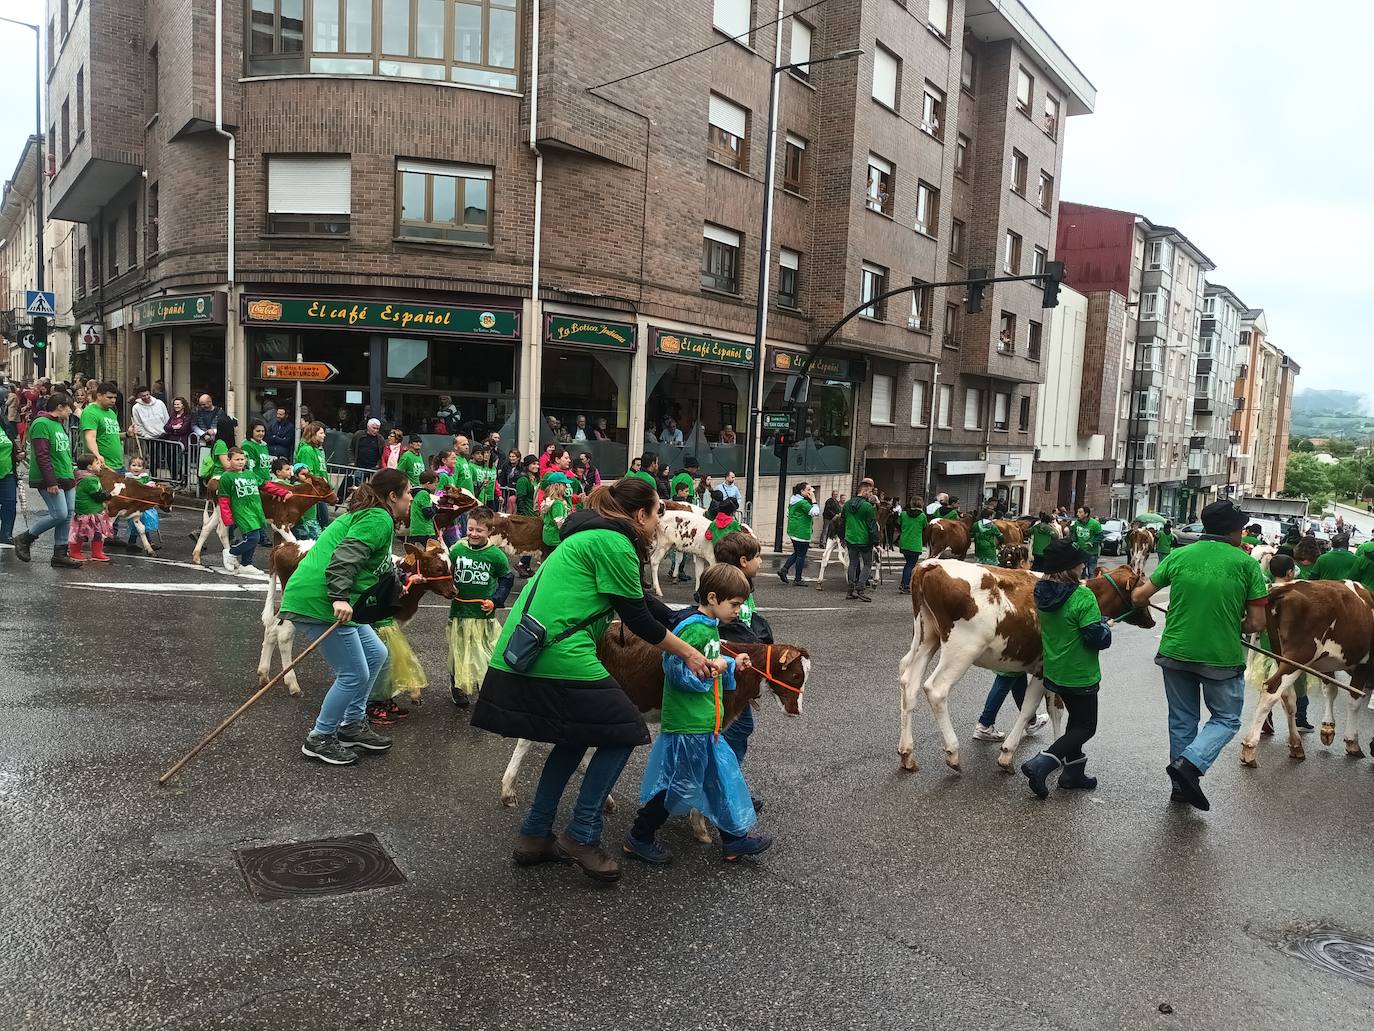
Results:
1072 632
743 551
240 505
138 470
1164 541
555 508
986 539
422 510
90 523
255 448
911 539
689 766
482 580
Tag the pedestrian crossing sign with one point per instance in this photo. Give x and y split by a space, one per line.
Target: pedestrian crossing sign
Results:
41 303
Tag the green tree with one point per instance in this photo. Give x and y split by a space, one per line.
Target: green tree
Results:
1346 478
1305 477
1296 444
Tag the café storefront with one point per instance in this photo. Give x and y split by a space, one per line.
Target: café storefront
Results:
825 441
697 400
182 343
586 371
397 359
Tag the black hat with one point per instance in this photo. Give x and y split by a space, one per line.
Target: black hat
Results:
1061 555
690 462
1223 517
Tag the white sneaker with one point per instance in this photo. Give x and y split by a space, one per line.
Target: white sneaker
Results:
1036 725
982 733
230 562
252 572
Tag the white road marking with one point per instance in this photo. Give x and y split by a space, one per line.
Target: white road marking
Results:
163 588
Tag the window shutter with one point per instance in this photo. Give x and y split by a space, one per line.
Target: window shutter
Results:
884 77
443 168
938 15
972 403
801 43
789 259
732 18
720 235
881 408
880 164
796 141
312 184
918 402
725 115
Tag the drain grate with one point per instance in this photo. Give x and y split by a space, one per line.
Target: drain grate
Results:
1337 951
328 866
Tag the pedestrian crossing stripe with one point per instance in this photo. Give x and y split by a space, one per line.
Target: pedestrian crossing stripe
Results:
41 303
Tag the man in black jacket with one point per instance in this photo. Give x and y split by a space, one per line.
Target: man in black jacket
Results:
367 446
833 504
281 434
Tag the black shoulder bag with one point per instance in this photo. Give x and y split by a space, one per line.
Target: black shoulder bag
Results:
530 636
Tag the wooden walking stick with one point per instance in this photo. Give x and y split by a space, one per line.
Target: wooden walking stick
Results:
1355 692
162 781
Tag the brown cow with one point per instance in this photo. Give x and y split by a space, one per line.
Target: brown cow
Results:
979 615
1140 542
129 497
954 536
450 506
1328 625
638 668
282 514
520 535
430 562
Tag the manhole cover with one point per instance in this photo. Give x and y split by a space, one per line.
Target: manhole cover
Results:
1337 951
329 866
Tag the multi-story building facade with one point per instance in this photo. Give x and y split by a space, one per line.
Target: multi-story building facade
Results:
1214 442
19 273
1163 276
1263 409
457 200
1075 422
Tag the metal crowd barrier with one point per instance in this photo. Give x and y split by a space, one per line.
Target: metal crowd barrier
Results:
168 460
344 478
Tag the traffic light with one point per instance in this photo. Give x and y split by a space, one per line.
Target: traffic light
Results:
40 343
1054 276
973 302
783 440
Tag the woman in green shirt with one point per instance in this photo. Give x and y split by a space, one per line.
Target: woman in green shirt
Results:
51 473
258 460
9 485
911 539
801 516
310 453
564 695
339 568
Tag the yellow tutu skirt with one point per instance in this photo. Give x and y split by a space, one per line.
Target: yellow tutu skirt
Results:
470 643
403 673
1262 667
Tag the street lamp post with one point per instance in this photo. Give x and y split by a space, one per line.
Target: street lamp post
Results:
753 441
39 353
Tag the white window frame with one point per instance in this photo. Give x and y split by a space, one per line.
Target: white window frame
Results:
1039 257
880 400
868 272
732 121
732 18
946 402
1025 78
918 402
932 107
973 408
1019 172
927 208
1011 253
921 301
875 197
799 49
1001 411
310 185
790 260
937 17
887 67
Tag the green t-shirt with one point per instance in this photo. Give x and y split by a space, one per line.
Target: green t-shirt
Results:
245 501
1086 536
1336 564
1068 661
6 454
800 519
59 449
1212 582
986 537
483 482
524 495
259 460
680 478
306 593
1250 539
693 712
577 581
311 457
476 572
747 610
1367 548
1041 535
420 526
87 487
859 515
1164 542
556 509
106 425
912 530
218 452
444 483
412 465
646 477
462 475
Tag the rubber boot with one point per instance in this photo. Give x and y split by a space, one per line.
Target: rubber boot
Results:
74 551
1074 778
1038 771
98 551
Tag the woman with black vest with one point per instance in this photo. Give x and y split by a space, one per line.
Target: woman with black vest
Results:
546 683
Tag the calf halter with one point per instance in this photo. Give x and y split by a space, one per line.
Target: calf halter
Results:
767 671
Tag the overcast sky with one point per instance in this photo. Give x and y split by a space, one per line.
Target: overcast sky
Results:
1230 119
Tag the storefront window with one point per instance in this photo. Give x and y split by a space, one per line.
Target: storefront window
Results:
824 446
587 393
697 409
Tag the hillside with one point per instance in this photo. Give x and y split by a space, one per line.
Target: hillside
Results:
1332 413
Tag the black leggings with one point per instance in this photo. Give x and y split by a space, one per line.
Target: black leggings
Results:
653 814
1082 708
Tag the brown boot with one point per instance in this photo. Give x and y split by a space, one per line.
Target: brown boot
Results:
594 860
531 850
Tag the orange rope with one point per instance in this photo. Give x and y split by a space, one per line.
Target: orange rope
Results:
767 671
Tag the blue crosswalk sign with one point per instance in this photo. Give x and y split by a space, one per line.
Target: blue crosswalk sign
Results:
40 302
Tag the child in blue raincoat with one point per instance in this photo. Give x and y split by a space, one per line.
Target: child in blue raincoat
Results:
690 765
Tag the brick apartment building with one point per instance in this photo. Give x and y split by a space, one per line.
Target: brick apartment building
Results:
1162 276
404 176
1263 409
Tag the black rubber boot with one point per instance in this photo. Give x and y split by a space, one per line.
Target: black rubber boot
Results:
1074 778
1038 771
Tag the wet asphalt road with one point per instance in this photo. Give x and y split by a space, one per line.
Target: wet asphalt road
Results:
891 900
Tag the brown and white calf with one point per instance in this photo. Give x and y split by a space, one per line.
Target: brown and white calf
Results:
431 563
949 536
684 531
1140 543
978 615
519 536
638 668
129 497
282 514
1329 626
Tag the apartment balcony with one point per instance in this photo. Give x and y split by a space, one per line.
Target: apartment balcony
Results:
1197 443
1203 406
1147 378
1204 366
1234 437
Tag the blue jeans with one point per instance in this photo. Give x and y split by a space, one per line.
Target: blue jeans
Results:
602 773
59 518
1224 698
356 655
860 566
151 522
1090 567
797 560
737 733
248 545
912 557
1002 685
322 515
9 505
